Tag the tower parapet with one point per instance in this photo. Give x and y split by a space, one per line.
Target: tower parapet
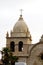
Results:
41 40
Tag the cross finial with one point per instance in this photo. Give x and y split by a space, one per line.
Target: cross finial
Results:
21 11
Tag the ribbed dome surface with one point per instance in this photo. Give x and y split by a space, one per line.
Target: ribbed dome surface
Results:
20 26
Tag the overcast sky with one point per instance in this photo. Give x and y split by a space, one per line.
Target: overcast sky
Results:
32 14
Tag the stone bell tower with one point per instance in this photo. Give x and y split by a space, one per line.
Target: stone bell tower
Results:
19 40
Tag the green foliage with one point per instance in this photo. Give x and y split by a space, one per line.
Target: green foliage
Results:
14 58
6 50
8 56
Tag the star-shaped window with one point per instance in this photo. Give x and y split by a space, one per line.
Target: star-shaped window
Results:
41 56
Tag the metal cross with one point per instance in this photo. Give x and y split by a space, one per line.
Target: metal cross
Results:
21 11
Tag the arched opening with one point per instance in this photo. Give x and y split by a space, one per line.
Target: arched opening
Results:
20 46
12 46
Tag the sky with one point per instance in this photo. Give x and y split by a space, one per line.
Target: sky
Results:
32 14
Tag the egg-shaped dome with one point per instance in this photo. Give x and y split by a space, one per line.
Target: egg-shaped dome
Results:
20 29
20 26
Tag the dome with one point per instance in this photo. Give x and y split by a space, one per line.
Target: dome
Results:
20 29
20 26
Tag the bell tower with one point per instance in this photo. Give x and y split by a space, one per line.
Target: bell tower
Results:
19 40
